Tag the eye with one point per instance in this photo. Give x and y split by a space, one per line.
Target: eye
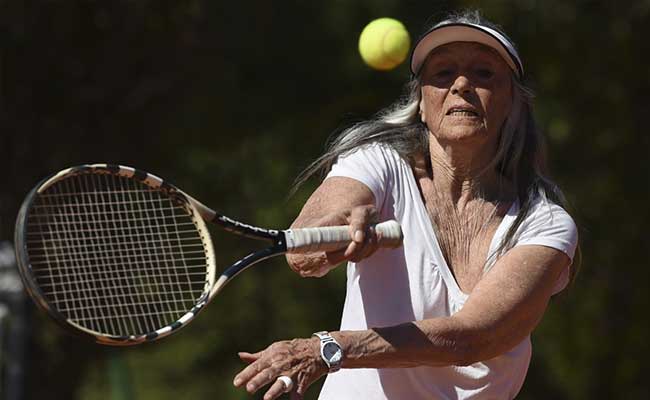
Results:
442 76
484 73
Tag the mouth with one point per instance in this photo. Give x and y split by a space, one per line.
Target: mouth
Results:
462 112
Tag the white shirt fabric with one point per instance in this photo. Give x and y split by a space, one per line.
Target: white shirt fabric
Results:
413 282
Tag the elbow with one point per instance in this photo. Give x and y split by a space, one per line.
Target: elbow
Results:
475 347
467 351
471 345
456 345
478 343
469 354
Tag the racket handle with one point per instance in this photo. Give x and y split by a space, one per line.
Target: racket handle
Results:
329 238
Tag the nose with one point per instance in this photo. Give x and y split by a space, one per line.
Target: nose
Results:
461 85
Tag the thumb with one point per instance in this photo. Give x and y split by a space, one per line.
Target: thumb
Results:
248 357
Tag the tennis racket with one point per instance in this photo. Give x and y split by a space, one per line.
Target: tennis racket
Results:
124 257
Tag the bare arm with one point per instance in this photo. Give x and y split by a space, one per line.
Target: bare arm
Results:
337 201
504 307
336 195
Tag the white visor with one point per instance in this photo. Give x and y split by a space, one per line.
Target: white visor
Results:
448 32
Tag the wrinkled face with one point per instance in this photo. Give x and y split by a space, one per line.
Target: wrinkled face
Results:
466 93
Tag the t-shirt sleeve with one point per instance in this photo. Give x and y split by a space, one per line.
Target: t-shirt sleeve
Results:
550 225
368 165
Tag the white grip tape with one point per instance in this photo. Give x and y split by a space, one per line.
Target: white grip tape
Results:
305 240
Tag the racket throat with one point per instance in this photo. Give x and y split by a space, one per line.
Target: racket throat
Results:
251 259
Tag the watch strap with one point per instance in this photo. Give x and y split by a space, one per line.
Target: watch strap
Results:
326 338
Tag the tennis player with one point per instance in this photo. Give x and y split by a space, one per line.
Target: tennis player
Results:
459 163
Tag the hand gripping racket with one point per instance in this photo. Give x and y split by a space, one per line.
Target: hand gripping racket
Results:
124 257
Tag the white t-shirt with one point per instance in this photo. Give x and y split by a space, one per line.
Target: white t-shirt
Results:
413 282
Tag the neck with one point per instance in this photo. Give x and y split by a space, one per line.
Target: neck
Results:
462 172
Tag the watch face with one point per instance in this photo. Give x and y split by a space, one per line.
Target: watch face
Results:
332 352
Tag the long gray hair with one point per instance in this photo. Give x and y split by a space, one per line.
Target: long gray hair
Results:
520 155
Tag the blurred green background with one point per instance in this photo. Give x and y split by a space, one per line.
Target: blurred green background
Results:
230 100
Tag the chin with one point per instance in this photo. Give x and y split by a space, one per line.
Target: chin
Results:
463 134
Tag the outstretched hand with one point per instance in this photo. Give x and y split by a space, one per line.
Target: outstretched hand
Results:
298 359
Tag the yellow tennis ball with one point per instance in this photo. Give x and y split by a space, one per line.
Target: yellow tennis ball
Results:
384 43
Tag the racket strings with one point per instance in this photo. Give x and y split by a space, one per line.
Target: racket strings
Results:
119 258
114 255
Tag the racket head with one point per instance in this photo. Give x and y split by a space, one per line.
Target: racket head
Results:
114 253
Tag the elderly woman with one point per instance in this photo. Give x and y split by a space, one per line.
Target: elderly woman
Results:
460 164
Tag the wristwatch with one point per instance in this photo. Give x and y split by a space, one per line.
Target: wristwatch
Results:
330 351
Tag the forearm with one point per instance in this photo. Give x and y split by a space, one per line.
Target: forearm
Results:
502 310
432 342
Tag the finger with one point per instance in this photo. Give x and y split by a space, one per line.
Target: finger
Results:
248 373
249 357
352 249
262 379
305 377
294 395
336 257
302 385
354 252
360 218
368 248
276 390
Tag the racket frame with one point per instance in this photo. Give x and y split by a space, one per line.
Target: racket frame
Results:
199 213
